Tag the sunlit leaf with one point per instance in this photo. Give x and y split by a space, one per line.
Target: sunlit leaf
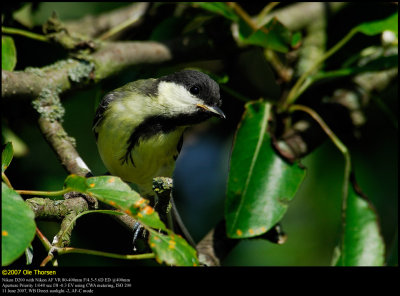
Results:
219 8
17 225
172 249
362 243
273 35
376 27
379 64
113 191
8 53
6 156
261 184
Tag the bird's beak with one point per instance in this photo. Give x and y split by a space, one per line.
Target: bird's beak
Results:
217 111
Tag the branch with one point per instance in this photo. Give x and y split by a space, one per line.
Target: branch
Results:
65 210
114 57
293 16
63 146
93 26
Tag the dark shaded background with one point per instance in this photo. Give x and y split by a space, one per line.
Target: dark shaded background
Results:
313 220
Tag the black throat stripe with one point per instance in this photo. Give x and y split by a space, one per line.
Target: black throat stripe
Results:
153 125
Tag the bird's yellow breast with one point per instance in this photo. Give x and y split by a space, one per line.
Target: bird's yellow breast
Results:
152 157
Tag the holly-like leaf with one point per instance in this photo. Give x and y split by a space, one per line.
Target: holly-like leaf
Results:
172 249
6 156
362 243
17 225
260 183
8 53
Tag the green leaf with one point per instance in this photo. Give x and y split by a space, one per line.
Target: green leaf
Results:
17 225
218 8
6 156
376 27
379 64
260 183
24 15
296 40
8 53
172 249
362 243
76 183
113 191
273 35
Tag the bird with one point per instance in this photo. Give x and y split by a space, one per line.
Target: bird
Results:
139 127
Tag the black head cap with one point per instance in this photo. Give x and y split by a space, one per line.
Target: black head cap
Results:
198 84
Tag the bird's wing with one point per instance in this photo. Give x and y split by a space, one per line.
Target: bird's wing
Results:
143 86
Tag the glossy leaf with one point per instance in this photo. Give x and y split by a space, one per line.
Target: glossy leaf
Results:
218 8
376 27
172 249
113 191
296 40
273 35
17 225
379 64
362 243
261 183
8 53
6 156
76 183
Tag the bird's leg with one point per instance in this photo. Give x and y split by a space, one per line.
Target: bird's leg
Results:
137 228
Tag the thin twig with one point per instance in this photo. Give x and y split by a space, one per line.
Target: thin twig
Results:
68 250
342 148
7 30
266 10
43 193
43 239
5 179
294 92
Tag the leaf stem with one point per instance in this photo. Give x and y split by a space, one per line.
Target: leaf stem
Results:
339 144
295 91
7 30
5 179
243 15
70 250
43 193
43 239
266 10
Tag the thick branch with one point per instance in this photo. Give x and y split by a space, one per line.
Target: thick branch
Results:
63 146
70 74
65 210
116 56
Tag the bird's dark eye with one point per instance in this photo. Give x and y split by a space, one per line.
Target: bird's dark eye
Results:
194 90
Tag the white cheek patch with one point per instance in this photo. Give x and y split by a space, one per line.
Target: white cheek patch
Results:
176 98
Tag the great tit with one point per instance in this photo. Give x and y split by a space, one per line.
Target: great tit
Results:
139 126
